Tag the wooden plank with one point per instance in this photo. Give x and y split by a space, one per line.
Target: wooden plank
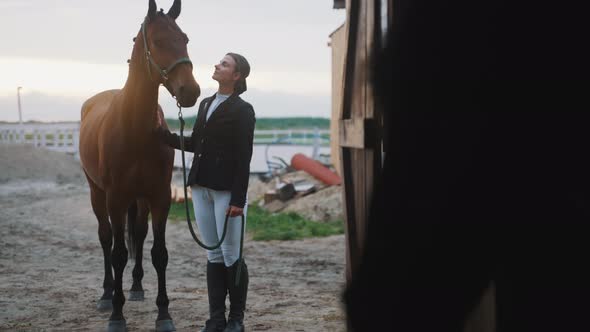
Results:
352 248
351 233
358 133
350 60
358 188
338 44
359 165
361 67
352 133
369 112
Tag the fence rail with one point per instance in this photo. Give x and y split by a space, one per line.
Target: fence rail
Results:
64 137
293 136
313 136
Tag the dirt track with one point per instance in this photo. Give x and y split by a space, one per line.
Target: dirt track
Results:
51 264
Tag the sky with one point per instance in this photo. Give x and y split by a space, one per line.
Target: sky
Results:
61 52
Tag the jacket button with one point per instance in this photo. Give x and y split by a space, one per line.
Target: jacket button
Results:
199 155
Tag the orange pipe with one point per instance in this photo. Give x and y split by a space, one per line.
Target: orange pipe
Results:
300 161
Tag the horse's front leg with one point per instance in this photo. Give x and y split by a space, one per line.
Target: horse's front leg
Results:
159 208
140 228
117 210
105 235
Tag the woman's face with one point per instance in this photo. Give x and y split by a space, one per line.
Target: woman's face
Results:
225 71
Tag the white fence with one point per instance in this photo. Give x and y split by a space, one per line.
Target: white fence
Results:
293 136
316 137
63 136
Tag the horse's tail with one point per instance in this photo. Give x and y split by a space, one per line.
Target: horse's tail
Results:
131 221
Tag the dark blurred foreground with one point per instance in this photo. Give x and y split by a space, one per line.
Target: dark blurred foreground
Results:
486 177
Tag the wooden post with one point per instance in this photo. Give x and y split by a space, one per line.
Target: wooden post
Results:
358 137
77 143
338 44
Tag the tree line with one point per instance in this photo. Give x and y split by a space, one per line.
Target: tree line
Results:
265 123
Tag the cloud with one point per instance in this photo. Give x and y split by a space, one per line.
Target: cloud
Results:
277 33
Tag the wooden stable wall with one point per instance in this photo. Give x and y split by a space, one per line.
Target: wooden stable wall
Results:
359 137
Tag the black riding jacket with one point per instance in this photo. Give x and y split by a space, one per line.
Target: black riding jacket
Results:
222 147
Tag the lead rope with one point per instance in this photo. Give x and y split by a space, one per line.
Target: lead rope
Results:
188 218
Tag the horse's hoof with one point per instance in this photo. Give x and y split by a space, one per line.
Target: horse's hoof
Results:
104 305
117 326
136 296
165 325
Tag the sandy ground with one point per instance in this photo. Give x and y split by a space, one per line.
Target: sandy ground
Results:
51 264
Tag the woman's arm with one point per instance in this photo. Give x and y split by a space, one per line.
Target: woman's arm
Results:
173 139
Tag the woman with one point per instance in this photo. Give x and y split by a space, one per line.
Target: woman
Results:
222 145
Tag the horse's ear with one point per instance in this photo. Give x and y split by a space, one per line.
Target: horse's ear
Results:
175 9
152 9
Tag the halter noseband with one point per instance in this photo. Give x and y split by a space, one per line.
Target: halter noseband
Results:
163 72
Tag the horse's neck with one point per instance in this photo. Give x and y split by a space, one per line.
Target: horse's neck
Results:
139 103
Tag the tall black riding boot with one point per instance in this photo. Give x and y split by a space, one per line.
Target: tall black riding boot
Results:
217 291
237 297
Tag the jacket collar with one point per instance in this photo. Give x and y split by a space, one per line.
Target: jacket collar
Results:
221 108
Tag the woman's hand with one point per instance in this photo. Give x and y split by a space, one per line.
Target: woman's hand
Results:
234 211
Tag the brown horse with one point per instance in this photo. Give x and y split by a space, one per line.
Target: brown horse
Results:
127 168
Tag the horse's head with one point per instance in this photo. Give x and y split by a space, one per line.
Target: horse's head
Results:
165 54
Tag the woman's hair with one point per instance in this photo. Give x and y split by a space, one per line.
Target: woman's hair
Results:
242 67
